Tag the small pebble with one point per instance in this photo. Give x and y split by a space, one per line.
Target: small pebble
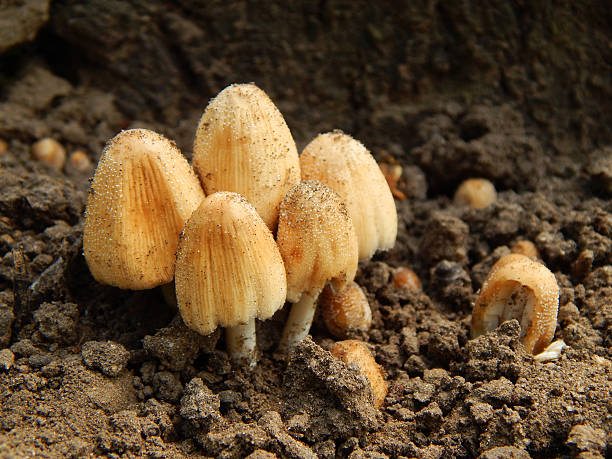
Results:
3 146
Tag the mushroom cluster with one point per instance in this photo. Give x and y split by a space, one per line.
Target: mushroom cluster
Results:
151 219
253 225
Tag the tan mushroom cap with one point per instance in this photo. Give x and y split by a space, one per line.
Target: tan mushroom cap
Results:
347 167
476 192
518 287
356 351
316 239
346 310
243 144
142 193
228 267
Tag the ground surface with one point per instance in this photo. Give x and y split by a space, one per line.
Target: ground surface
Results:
514 92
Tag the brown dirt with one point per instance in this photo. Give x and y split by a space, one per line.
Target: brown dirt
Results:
516 92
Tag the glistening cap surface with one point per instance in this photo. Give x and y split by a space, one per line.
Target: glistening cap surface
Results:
228 267
243 144
316 239
142 193
348 168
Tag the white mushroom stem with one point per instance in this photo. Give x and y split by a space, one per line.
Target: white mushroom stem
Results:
241 343
299 321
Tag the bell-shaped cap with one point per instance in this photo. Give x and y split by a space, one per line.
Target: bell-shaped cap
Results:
347 167
316 239
228 267
142 193
243 144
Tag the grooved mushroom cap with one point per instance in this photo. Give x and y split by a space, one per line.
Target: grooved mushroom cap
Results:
347 167
518 287
142 193
316 239
243 144
228 267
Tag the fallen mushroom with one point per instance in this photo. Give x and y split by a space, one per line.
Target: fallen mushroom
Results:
518 287
475 192
345 311
317 241
142 193
243 144
355 351
228 272
348 168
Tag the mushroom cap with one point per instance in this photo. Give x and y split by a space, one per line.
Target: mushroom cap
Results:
316 239
142 193
356 351
243 144
518 287
228 267
348 168
475 192
346 310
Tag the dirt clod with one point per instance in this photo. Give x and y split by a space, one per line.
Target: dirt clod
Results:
108 357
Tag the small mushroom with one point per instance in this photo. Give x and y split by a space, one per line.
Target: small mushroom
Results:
346 310
229 272
355 351
50 152
318 244
526 248
518 287
243 144
142 193
406 277
475 192
348 168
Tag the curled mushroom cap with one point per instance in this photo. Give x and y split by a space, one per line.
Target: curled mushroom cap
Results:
243 144
518 287
316 239
228 267
348 168
345 310
142 193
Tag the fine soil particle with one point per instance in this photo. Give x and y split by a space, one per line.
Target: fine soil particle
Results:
88 370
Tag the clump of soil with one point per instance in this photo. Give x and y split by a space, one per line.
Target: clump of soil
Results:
89 370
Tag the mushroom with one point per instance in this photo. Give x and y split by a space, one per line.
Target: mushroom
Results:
50 152
345 311
406 277
475 192
229 272
318 244
355 351
348 168
518 287
527 248
142 193
243 144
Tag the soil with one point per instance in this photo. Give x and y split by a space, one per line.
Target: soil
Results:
515 92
